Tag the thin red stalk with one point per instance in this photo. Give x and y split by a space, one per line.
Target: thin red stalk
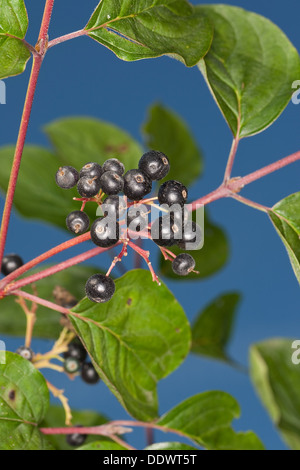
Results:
67 37
54 251
238 184
250 203
46 21
39 301
231 159
219 193
36 66
55 269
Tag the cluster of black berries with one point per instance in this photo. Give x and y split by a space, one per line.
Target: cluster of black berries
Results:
94 181
76 360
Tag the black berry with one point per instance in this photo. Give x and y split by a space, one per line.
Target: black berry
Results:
114 206
66 177
91 170
137 218
100 288
105 232
89 373
76 351
10 263
137 184
191 236
88 187
113 164
172 192
111 183
76 439
163 231
155 164
25 352
78 222
72 365
183 264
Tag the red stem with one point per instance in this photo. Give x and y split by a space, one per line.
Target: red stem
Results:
68 37
55 269
231 159
54 251
36 67
39 301
241 182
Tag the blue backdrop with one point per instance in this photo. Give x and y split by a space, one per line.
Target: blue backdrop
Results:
82 78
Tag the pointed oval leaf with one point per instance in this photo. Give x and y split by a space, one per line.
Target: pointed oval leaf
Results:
249 69
146 28
167 132
206 419
289 209
212 329
277 381
135 340
13 27
24 400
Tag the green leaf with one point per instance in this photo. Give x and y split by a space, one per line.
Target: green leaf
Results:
102 445
77 141
289 209
170 446
277 382
249 68
211 332
210 259
13 27
167 132
80 140
206 419
55 418
12 317
135 340
24 400
290 239
151 28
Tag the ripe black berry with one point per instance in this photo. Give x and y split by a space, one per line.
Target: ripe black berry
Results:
78 222
76 351
172 192
89 373
114 206
72 365
105 232
137 218
183 264
76 439
155 164
10 263
191 236
113 164
163 231
137 184
111 183
100 288
66 177
91 170
88 187
25 352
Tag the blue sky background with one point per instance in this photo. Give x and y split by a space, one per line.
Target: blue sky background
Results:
83 78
